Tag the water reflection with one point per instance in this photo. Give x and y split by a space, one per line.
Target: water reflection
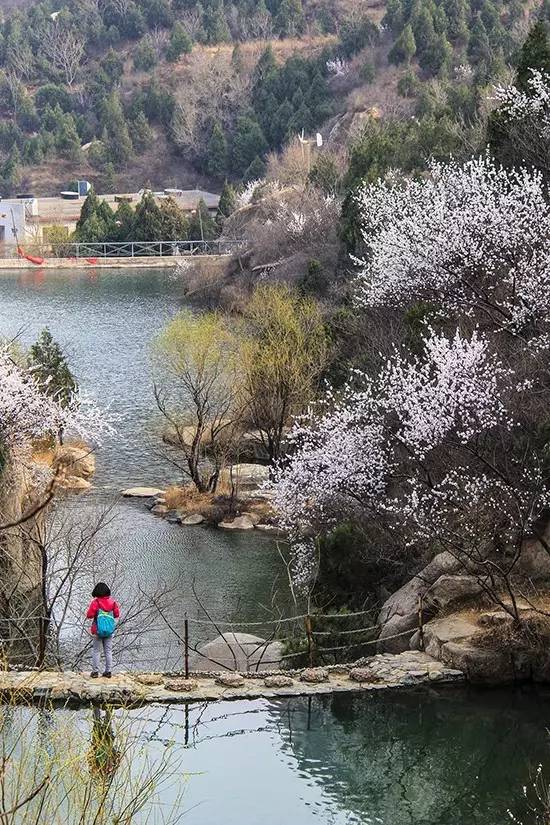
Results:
451 757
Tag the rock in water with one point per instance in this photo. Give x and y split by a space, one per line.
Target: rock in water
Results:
239 651
195 518
239 523
142 492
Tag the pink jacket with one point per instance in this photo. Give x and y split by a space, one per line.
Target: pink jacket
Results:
102 603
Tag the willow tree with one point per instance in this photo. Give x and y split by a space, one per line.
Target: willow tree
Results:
197 392
283 352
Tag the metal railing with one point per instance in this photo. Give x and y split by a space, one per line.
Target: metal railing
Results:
125 249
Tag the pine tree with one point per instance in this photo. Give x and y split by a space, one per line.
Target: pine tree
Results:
535 54
248 143
147 220
393 18
216 153
479 48
256 170
290 19
118 143
124 222
141 133
89 207
180 43
423 30
50 369
227 204
202 225
174 225
404 47
214 22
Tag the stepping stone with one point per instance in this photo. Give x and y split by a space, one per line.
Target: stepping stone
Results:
180 685
149 679
314 675
363 674
230 680
278 681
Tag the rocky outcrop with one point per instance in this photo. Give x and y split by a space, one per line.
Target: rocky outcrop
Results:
74 465
442 584
240 523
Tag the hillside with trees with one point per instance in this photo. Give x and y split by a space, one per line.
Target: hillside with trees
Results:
151 92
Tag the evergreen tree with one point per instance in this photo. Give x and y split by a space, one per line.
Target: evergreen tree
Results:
423 30
180 43
404 47
124 222
248 143
290 20
256 170
280 123
456 13
145 56
214 22
227 203
202 225
89 207
147 220
50 369
174 225
216 153
479 48
393 18
116 137
141 133
535 53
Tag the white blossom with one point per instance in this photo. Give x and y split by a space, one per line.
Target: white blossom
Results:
338 67
468 237
533 104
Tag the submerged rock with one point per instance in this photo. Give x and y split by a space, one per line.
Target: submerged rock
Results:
159 509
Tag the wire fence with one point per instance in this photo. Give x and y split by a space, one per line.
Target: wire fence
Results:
191 644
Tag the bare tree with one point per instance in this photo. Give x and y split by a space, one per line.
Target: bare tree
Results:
65 49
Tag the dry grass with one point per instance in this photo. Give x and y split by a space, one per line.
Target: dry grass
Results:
530 634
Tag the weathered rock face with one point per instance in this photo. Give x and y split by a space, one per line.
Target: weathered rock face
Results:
245 476
239 651
442 585
72 461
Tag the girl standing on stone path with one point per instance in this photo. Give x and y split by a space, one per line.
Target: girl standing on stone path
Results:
103 611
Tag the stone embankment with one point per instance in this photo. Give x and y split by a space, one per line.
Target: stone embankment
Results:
380 672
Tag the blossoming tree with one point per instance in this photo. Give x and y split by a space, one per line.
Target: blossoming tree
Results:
443 446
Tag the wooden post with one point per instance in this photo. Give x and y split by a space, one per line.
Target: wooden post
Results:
421 621
186 639
309 634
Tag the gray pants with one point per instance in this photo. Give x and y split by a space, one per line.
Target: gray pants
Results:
107 646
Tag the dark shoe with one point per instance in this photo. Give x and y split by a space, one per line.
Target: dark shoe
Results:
94 674
107 674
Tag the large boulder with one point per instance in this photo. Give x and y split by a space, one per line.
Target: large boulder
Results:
442 586
75 461
245 476
239 651
239 523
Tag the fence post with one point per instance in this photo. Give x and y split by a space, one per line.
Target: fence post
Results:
309 634
186 640
421 622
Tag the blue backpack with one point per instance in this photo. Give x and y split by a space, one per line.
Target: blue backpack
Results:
105 624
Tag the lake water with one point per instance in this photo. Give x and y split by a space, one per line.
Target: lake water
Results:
106 321
446 757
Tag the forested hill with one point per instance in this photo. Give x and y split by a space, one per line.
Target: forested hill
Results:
135 92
